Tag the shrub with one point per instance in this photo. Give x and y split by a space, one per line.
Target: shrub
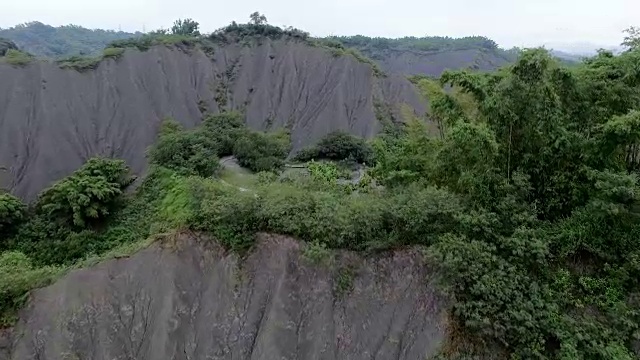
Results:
317 253
418 215
80 63
12 212
262 151
359 221
225 129
323 172
17 57
169 126
191 152
229 214
89 194
112 52
338 145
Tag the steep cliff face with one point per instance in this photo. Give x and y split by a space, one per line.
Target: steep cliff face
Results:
186 300
52 119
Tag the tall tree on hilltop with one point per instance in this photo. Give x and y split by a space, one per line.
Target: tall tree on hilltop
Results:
258 19
185 27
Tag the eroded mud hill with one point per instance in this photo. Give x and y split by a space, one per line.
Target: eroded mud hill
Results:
186 300
52 120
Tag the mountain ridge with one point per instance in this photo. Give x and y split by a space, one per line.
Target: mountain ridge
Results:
64 41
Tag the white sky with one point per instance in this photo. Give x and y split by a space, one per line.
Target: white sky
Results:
509 22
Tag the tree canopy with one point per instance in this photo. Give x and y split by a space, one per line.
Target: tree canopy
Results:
185 27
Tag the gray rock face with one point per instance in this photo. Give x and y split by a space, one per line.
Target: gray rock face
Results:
52 120
186 300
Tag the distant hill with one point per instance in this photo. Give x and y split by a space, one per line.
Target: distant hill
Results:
54 42
430 55
567 56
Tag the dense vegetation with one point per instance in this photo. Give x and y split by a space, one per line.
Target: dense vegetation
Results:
196 152
376 47
56 42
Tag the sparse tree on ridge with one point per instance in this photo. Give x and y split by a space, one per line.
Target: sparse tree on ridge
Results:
185 27
258 19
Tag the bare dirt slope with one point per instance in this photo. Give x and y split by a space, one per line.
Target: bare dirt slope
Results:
52 119
192 301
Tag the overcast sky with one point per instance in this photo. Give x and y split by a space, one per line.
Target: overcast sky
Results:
509 22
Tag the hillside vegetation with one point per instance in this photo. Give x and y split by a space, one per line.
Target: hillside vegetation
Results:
56 42
375 46
527 201
73 41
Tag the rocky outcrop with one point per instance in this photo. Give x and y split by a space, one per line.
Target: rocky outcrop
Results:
188 299
52 120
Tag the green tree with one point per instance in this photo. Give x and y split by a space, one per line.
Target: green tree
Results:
186 27
89 194
338 145
262 151
225 129
191 152
258 19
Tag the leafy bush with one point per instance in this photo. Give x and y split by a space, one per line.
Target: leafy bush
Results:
87 195
226 212
191 152
323 172
262 151
317 253
12 212
17 57
80 63
338 145
225 129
